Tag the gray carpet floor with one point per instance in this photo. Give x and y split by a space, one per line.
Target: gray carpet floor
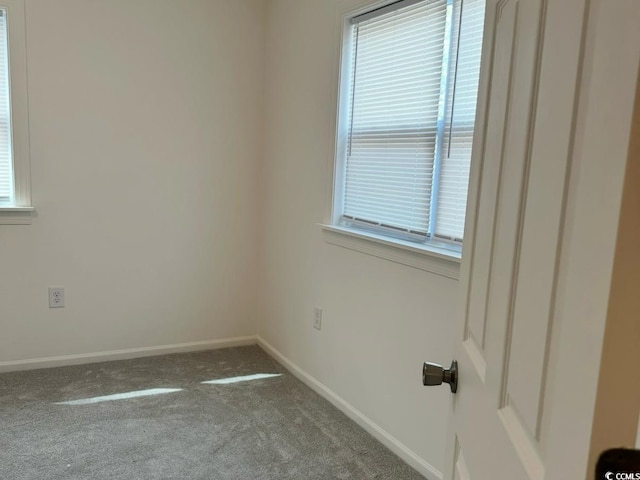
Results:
269 428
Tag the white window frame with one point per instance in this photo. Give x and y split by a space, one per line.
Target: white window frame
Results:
19 211
442 258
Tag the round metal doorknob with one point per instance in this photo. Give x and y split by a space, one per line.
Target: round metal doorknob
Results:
434 374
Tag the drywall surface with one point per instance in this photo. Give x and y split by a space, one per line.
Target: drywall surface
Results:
381 319
145 122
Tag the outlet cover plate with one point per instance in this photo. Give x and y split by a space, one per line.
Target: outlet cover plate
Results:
317 318
56 297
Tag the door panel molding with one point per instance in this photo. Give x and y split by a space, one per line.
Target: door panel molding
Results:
461 471
490 191
525 445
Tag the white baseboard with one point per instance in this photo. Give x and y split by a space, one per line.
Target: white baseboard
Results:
392 443
35 363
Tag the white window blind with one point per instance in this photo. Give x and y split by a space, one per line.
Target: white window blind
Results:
414 76
6 163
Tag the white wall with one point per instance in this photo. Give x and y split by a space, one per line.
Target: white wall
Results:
381 319
154 206
146 120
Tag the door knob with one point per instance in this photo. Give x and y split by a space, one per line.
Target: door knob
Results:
434 374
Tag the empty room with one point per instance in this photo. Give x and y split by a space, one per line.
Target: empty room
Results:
319 239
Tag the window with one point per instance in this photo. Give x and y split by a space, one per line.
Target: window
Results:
15 197
406 119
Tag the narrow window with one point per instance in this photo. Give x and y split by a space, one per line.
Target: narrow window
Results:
7 195
15 185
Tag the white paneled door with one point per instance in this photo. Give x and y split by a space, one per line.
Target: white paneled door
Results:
540 235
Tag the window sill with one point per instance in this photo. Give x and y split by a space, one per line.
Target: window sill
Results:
440 261
15 215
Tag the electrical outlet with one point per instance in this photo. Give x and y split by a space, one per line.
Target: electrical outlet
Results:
56 297
317 318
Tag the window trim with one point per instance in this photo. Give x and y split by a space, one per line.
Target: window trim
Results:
428 256
19 212
438 260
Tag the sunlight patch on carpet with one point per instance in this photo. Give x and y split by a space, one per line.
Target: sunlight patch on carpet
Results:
244 378
121 396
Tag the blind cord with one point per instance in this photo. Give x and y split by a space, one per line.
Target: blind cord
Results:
455 79
353 88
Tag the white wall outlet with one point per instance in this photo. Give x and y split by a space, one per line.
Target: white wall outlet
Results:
317 318
56 297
